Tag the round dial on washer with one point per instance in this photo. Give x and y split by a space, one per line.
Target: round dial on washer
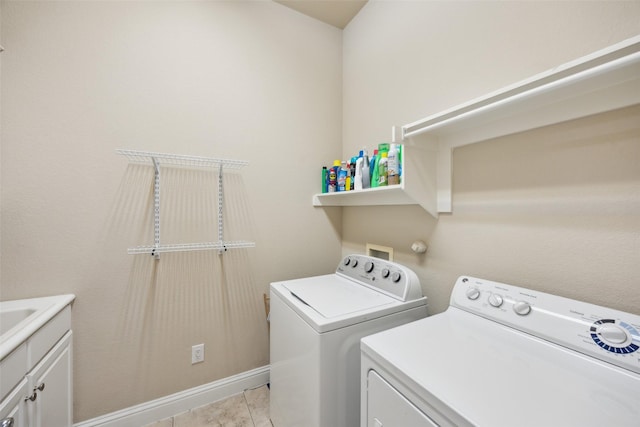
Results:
612 333
347 261
615 336
385 272
395 277
522 308
473 293
495 300
354 264
368 267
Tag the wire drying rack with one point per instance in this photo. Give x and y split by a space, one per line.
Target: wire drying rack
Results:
173 160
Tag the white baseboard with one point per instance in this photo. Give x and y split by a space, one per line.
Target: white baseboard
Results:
164 407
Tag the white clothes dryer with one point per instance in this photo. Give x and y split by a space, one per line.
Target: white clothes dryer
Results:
502 355
316 327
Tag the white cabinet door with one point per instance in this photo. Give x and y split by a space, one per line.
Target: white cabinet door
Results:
14 406
51 381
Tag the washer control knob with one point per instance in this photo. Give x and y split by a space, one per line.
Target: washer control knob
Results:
368 267
522 308
347 261
612 333
385 272
473 293
495 300
395 277
354 264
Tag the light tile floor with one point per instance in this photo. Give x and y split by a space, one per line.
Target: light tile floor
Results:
248 409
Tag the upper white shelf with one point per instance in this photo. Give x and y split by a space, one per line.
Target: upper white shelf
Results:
602 81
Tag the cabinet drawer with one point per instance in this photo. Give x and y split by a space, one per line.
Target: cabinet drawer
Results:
46 337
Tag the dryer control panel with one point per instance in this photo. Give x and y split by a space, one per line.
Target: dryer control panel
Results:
391 278
604 333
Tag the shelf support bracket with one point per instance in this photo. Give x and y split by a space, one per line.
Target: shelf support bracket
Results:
223 248
444 171
156 208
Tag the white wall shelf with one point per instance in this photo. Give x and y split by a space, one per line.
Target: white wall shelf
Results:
390 195
173 160
603 81
414 188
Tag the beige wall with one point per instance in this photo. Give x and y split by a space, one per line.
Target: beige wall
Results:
242 80
556 209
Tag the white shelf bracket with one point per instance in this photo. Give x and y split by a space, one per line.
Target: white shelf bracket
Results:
223 249
156 208
444 175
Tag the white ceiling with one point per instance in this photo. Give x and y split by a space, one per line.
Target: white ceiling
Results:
334 12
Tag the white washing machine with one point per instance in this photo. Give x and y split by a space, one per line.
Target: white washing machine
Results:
505 356
316 327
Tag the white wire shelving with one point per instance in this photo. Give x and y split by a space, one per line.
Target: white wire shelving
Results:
147 157
186 247
173 160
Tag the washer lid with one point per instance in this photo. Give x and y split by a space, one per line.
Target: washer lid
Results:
337 297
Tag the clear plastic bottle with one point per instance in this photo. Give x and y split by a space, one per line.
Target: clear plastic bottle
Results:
382 169
393 170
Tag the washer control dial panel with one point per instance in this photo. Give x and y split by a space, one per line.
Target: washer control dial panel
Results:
615 336
600 332
388 277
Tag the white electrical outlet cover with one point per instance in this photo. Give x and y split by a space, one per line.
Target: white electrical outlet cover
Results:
197 353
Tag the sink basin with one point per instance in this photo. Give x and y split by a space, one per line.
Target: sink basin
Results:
11 318
19 319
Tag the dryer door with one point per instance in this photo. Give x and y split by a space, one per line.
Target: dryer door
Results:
386 407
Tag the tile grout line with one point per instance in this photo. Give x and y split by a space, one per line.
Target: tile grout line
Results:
246 402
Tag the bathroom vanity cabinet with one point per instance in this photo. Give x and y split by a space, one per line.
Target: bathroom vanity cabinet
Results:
13 408
36 385
50 387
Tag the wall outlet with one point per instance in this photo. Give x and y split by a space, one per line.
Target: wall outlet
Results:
197 353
